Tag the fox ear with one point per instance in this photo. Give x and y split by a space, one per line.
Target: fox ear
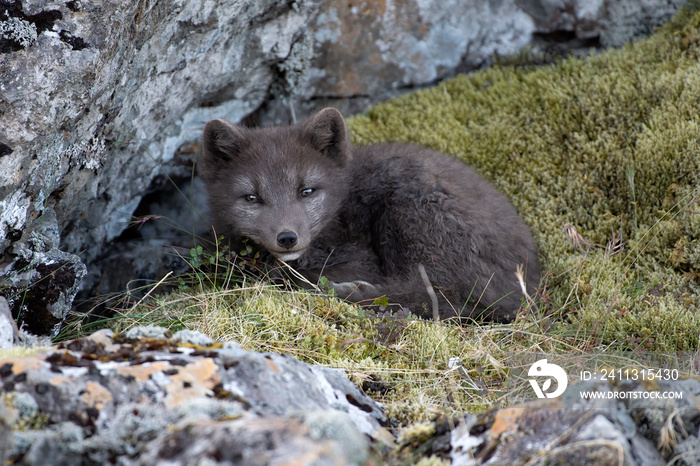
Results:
221 142
327 133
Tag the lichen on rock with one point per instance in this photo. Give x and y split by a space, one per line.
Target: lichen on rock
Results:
19 31
145 400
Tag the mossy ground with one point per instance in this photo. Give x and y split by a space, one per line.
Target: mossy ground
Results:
601 157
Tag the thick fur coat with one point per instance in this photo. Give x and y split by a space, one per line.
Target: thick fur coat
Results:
367 218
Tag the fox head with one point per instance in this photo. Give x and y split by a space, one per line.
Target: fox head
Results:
278 187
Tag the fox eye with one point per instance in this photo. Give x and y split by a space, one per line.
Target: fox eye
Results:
306 192
251 198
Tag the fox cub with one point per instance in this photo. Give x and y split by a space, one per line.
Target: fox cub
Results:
367 218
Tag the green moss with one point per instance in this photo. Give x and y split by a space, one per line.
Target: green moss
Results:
609 145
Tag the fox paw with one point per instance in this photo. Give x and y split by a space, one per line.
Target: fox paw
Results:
358 290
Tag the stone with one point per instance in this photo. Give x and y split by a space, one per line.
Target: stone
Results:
123 102
41 280
627 426
360 52
8 417
148 400
597 22
266 441
8 328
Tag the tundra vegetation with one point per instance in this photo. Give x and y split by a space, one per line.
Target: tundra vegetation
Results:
600 156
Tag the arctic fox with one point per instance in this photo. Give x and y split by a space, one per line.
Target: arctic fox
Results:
368 218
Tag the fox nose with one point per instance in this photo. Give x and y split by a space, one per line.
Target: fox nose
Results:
287 239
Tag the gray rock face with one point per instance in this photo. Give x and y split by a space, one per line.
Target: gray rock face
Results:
631 423
154 400
356 53
42 280
89 126
608 23
8 328
102 103
95 107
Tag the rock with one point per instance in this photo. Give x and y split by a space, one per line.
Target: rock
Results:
8 328
148 400
103 103
8 418
40 279
90 119
75 117
634 423
358 53
597 23
257 442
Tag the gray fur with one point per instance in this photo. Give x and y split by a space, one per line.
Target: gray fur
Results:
374 214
